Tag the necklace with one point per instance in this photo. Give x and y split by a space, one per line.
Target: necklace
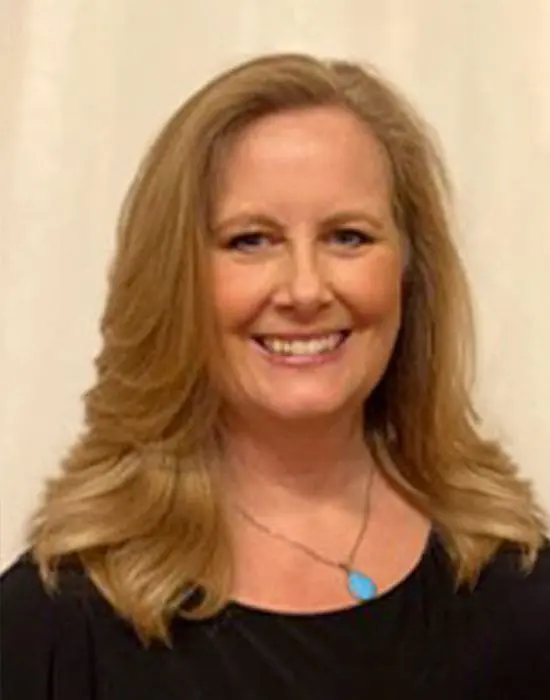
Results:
360 586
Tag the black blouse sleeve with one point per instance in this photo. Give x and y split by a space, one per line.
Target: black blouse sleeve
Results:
45 645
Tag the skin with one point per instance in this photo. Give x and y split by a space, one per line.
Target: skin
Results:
300 253
305 244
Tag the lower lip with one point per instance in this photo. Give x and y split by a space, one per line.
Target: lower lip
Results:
303 360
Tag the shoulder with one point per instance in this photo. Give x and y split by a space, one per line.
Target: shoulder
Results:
495 636
43 635
25 598
518 602
505 573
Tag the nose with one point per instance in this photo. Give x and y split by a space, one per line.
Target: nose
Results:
304 285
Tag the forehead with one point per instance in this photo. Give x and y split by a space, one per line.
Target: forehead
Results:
318 154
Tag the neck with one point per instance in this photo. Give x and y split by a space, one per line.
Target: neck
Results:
271 467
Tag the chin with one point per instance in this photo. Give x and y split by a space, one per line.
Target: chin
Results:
303 409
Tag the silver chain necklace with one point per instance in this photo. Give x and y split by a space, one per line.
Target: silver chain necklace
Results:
360 586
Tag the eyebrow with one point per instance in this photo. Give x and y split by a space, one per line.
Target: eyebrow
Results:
341 218
246 219
345 217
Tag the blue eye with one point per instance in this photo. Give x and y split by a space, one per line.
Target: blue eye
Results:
351 237
247 242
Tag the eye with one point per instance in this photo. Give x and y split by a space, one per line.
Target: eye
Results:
351 237
248 242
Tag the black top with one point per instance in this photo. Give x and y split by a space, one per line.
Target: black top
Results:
420 640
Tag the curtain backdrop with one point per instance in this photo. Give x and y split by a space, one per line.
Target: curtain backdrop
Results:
85 85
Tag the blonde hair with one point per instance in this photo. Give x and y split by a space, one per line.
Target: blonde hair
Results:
136 501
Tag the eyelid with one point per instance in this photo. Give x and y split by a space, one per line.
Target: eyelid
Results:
242 239
361 233
233 239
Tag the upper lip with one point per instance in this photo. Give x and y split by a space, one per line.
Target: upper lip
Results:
301 335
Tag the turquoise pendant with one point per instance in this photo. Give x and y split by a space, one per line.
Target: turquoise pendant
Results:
360 586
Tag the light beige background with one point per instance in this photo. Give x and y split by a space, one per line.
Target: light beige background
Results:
85 85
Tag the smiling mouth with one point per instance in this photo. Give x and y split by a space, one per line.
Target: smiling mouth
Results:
302 347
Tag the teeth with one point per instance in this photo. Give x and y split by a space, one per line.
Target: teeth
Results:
314 346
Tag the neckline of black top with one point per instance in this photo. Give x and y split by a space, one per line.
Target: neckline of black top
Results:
432 543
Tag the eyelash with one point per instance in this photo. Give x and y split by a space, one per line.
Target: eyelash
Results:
362 238
238 241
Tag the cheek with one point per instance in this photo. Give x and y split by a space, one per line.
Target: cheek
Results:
374 287
239 293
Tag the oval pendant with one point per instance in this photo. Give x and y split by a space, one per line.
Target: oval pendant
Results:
361 586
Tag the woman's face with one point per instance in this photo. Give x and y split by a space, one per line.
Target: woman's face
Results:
307 265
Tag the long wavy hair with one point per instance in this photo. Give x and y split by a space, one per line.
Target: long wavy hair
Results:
136 501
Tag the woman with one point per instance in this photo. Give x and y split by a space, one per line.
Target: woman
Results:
282 489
